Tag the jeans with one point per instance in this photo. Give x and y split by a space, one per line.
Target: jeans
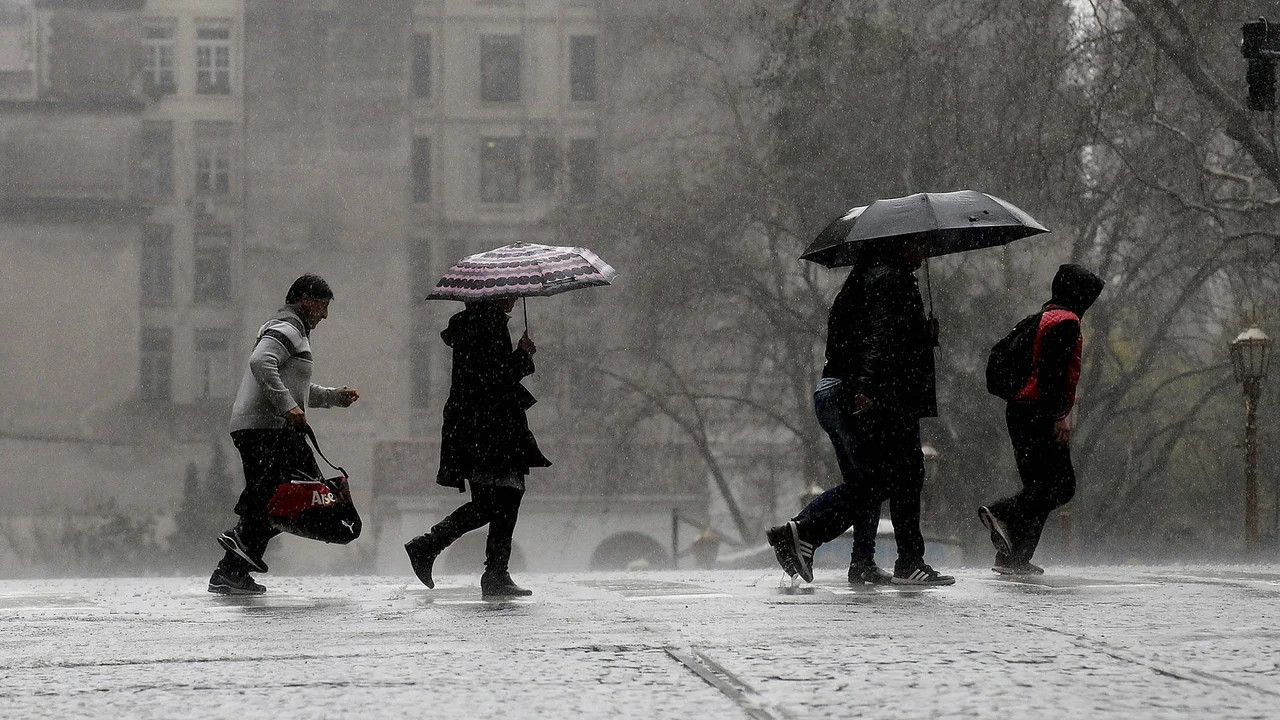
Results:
879 455
1048 478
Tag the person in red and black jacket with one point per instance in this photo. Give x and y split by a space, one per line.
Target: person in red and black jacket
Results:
1039 419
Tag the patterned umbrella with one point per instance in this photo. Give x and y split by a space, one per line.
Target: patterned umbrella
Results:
522 270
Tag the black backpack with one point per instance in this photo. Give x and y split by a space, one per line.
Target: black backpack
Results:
1009 364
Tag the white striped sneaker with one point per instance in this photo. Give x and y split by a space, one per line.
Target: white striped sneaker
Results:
804 551
921 575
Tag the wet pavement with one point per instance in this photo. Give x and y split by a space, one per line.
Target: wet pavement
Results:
1078 642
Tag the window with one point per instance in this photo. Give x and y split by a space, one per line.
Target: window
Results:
213 61
500 68
213 157
212 268
213 368
500 170
584 173
582 68
422 66
156 273
155 372
421 170
155 160
158 72
420 370
544 164
15 37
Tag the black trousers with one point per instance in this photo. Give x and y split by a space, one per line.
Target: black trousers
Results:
270 457
1048 478
495 506
880 458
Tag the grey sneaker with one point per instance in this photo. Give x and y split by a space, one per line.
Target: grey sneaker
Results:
230 541
867 573
225 583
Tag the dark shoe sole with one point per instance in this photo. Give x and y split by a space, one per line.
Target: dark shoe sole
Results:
999 536
780 539
229 544
516 592
1014 571
802 549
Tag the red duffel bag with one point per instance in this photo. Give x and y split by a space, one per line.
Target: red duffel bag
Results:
316 508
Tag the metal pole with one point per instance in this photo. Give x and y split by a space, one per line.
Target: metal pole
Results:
675 538
1252 390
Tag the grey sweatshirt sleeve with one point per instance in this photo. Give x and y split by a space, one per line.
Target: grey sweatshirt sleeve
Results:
264 363
320 396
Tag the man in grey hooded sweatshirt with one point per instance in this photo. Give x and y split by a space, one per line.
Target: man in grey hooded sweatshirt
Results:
266 427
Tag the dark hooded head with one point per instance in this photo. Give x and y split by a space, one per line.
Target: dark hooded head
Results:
1075 288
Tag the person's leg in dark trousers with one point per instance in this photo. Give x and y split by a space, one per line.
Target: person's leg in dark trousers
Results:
848 504
496 506
504 503
268 457
1048 479
904 479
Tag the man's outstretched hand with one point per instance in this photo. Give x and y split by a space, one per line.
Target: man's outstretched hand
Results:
347 396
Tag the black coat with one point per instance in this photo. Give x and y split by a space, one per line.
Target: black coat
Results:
879 343
485 430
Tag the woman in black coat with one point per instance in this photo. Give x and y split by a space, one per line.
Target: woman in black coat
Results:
485 439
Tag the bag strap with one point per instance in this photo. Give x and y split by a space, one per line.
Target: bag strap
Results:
316 444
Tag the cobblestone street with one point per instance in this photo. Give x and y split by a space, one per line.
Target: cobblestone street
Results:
1078 642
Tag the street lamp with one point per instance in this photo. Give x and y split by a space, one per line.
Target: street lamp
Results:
1250 355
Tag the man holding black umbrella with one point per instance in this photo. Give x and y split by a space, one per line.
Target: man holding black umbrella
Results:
877 384
879 378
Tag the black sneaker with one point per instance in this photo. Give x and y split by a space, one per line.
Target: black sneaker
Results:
921 575
794 555
999 532
230 541
225 583
501 585
867 573
1004 566
422 553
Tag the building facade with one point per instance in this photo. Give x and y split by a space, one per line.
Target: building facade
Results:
172 165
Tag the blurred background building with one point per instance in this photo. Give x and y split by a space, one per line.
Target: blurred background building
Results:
171 165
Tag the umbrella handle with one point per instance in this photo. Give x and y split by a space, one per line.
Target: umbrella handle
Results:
933 321
525 301
928 285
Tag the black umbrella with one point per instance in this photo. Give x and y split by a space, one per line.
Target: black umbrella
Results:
945 223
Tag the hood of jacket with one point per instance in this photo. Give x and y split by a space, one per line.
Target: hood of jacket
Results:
476 319
1075 288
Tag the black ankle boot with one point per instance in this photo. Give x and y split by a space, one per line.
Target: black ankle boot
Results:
500 584
423 551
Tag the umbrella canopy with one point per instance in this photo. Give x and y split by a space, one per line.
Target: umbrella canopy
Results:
945 222
522 270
